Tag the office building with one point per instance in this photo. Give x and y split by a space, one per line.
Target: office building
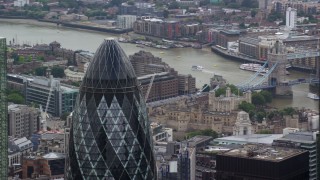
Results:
291 18
23 120
263 162
62 97
302 140
110 136
3 110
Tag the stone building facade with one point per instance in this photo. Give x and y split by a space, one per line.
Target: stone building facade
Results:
227 103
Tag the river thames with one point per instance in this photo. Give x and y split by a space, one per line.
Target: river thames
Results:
33 32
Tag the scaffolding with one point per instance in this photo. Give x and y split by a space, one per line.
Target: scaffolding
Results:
3 111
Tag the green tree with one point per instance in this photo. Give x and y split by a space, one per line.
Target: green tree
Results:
165 13
57 72
260 116
233 88
242 25
267 96
264 131
40 71
206 132
173 5
16 98
258 99
247 107
289 111
253 13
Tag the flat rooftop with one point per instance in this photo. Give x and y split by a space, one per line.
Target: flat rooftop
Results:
253 138
263 152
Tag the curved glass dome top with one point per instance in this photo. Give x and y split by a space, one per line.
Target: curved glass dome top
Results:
110 135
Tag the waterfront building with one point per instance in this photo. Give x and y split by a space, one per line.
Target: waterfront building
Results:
23 120
243 124
110 136
3 110
48 166
20 3
62 99
291 18
126 21
302 140
263 162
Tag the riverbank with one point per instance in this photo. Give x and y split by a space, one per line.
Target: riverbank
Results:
43 22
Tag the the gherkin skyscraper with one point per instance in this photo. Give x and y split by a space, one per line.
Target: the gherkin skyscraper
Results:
110 136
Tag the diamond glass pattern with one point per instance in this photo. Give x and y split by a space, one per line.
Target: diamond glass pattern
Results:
110 136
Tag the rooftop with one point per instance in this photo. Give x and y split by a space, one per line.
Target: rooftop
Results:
300 137
262 152
253 138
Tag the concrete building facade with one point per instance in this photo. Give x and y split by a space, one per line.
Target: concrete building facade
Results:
23 120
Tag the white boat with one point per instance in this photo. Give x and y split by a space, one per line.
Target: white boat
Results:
197 68
313 96
253 67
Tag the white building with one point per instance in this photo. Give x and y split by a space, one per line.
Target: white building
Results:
243 124
125 21
291 18
20 3
161 134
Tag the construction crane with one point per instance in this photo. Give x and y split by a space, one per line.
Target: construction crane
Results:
44 114
149 87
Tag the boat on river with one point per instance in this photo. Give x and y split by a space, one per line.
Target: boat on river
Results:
313 96
253 67
197 68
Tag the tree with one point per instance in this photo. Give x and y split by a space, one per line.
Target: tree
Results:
40 71
173 5
267 96
258 99
16 98
206 132
264 131
253 13
165 13
233 88
242 25
260 116
247 107
57 72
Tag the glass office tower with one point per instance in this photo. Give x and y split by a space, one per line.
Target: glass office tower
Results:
3 111
110 136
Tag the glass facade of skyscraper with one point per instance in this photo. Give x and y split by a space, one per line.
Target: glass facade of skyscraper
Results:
110 134
3 111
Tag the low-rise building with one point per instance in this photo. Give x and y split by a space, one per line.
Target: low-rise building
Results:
48 166
302 140
263 162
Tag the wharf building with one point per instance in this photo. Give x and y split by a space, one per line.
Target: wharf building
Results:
126 21
37 90
23 120
291 18
263 162
110 136
166 29
167 83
